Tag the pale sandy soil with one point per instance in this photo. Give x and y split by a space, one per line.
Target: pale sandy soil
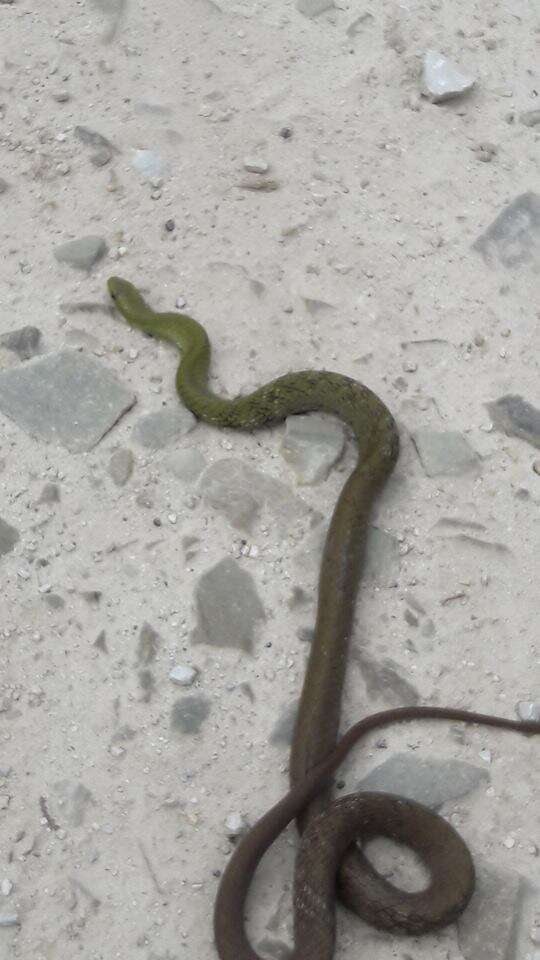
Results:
380 197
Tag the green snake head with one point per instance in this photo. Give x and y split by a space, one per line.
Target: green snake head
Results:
127 298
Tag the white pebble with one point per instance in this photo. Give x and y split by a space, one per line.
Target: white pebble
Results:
255 166
6 887
236 824
182 675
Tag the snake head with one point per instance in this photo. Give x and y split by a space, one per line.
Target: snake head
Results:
127 300
121 291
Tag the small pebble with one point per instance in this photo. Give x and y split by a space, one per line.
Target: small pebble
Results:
121 466
6 887
444 79
528 710
410 366
236 824
264 184
183 676
180 302
256 166
170 225
536 466
286 133
61 97
509 842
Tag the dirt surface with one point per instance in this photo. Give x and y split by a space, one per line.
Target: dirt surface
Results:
357 255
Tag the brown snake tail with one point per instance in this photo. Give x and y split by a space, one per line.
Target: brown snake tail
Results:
327 846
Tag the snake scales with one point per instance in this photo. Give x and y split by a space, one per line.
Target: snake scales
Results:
328 861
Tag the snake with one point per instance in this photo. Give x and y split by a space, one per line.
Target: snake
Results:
330 862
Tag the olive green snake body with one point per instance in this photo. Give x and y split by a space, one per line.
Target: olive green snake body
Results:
328 862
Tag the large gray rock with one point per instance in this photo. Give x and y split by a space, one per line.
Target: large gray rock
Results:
164 427
487 928
312 445
24 342
228 606
424 779
67 398
444 453
189 713
515 417
9 536
241 493
83 253
513 239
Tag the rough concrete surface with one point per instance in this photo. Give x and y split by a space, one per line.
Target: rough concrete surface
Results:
277 171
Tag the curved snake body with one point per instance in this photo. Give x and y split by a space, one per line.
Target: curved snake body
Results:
327 857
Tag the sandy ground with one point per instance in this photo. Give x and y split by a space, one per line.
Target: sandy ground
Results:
106 851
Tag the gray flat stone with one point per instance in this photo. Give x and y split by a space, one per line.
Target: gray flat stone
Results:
9 536
283 729
530 118
67 398
54 601
426 780
189 713
486 929
312 445
50 493
82 253
103 148
186 465
228 607
241 493
312 8
444 453
528 710
75 801
513 239
148 644
443 79
157 430
383 679
24 342
121 466
382 556
515 417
